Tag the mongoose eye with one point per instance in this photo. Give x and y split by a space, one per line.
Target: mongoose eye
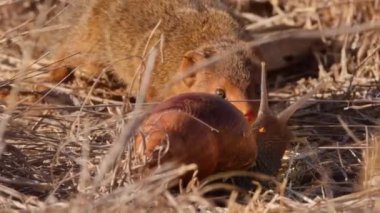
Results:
221 93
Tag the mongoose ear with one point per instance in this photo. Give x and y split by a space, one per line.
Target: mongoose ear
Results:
189 60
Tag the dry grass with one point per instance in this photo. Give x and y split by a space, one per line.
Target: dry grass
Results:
67 150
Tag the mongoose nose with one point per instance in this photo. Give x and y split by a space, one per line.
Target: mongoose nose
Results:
249 116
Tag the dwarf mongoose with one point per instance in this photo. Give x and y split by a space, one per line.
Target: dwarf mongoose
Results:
118 34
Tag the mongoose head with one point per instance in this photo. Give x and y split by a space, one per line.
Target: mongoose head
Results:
234 77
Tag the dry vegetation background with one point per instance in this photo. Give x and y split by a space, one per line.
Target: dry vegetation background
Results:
59 149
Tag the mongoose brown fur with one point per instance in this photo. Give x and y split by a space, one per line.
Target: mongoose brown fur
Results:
118 34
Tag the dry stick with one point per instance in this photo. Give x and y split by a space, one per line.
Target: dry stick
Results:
15 62
361 107
343 51
37 186
218 186
172 202
12 98
257 193
68 177
154 182
112 103
267 21
77 120
356 69
369 157
138 70
349 132
70 91
9 192
271 37
14 77
130 126
270 203
301 33
41 67
229 174
45 29
84 172
212 129
56 15
35 62
343 61
55 86
354 196
9 2
3 38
